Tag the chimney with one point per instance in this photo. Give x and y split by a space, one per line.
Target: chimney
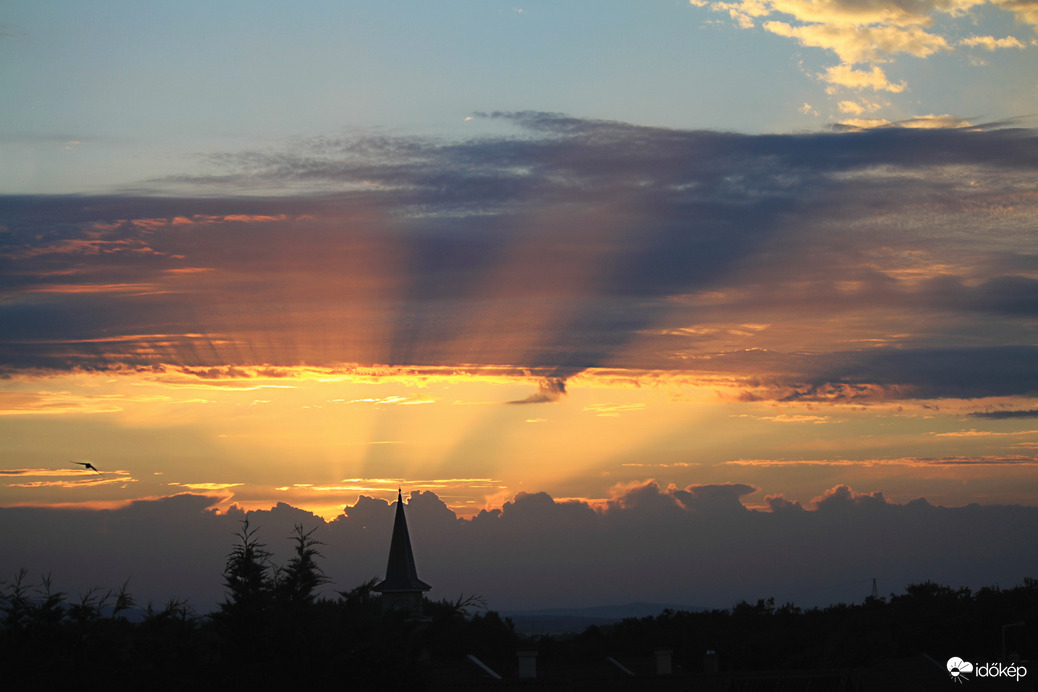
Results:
527 663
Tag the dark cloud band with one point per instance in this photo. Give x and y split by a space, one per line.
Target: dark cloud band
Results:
573 244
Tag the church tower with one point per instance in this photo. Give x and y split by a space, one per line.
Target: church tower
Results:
401 589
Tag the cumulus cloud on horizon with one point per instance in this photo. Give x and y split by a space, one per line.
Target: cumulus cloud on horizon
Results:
698 545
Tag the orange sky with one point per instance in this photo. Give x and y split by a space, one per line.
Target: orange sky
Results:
720 274
318 438
576 307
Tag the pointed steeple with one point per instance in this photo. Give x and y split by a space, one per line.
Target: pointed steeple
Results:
401 589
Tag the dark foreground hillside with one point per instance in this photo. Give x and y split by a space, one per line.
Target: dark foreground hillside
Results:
271 631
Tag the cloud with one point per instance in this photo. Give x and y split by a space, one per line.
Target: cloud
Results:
69 478
614 410
917 462
856 44
797 418
710 500
777 503
851 107
208 486
873 78
575 244
44 472
1005 415
863 35
389 400
863 123
992 43
842 497
549 390
932 121
966 372
1025 10
79 483
697 545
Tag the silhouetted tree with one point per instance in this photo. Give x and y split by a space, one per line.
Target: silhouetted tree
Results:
297 581
50 607
92 605
176 646
247 575
361 598
244 616
16 605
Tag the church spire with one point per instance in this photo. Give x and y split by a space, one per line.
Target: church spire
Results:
401 589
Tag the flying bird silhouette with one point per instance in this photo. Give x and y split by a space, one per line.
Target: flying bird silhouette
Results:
87 464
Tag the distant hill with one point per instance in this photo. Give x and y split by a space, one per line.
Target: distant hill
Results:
572 620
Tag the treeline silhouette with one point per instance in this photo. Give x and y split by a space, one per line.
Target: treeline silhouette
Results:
927 618
272 629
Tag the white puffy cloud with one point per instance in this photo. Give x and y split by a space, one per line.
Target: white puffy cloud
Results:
845 75
865 33
863 44
992 43
862 12
1026 11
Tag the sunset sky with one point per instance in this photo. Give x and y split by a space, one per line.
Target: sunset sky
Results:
746 258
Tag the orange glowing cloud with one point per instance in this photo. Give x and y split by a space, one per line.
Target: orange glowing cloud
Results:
208 486
95 288
917 462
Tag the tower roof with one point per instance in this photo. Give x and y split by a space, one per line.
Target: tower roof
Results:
401 574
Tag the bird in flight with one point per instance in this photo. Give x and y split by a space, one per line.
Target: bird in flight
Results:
87 464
